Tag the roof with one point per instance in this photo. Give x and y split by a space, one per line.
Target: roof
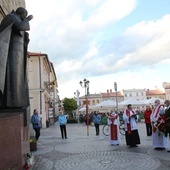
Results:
112 94
92 96
36 54
154 92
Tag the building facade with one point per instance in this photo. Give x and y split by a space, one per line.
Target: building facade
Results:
136 94
6 6
155 94
43 85
110 95
166 86
93 99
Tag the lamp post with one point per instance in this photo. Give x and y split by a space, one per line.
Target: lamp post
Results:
115 87
85 84
76 96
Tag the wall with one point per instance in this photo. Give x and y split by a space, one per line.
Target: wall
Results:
14 143
9 5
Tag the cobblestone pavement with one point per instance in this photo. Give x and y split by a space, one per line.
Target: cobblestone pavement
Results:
82 152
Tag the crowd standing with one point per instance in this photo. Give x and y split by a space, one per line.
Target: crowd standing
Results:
130 118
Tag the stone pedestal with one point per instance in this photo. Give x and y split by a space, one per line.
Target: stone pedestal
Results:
14 139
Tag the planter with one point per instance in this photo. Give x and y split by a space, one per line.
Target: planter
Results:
47 124
33 146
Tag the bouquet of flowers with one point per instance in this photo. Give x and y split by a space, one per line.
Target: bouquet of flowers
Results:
163 123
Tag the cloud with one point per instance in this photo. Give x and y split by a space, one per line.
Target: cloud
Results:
78 39
110 11
143 45
69 27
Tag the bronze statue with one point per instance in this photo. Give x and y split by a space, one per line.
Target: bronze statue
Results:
13 59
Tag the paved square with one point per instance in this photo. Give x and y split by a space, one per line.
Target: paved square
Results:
82 152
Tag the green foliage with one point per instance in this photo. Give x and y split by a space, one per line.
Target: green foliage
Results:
140 117
69 104
103 120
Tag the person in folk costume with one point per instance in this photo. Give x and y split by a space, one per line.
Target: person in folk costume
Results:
131 130
113 122
159 140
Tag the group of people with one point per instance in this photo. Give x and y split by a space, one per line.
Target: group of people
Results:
130 118
131 132
36 123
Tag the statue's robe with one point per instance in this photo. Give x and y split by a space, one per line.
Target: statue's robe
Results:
13 62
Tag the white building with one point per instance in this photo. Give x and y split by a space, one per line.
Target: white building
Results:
137 94
167 90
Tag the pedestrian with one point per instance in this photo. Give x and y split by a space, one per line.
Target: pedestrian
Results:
62 122
96 121
167 113
131 130
113 122
147 115
36 123
159 139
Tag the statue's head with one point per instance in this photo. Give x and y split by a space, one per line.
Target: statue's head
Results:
22 12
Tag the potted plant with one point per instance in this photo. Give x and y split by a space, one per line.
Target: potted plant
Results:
33 145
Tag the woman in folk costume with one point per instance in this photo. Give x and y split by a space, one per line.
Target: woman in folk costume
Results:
159 140
113 122
131 130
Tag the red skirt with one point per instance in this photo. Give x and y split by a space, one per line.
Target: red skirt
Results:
113 131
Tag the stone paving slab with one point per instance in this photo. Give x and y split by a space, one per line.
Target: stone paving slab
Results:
81 152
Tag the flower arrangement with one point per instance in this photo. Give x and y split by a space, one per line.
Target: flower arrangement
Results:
163 123
33 140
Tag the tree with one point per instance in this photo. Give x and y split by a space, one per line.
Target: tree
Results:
69 104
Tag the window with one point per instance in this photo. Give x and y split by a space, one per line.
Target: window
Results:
130 94
136 93
125 95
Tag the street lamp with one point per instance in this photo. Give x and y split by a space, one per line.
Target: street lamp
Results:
85 84
76 96
115 87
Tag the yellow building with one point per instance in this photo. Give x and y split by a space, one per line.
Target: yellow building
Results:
43 85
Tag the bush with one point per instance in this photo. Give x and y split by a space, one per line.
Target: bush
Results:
103 120
140 116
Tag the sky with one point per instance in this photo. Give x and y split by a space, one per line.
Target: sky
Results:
104 41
